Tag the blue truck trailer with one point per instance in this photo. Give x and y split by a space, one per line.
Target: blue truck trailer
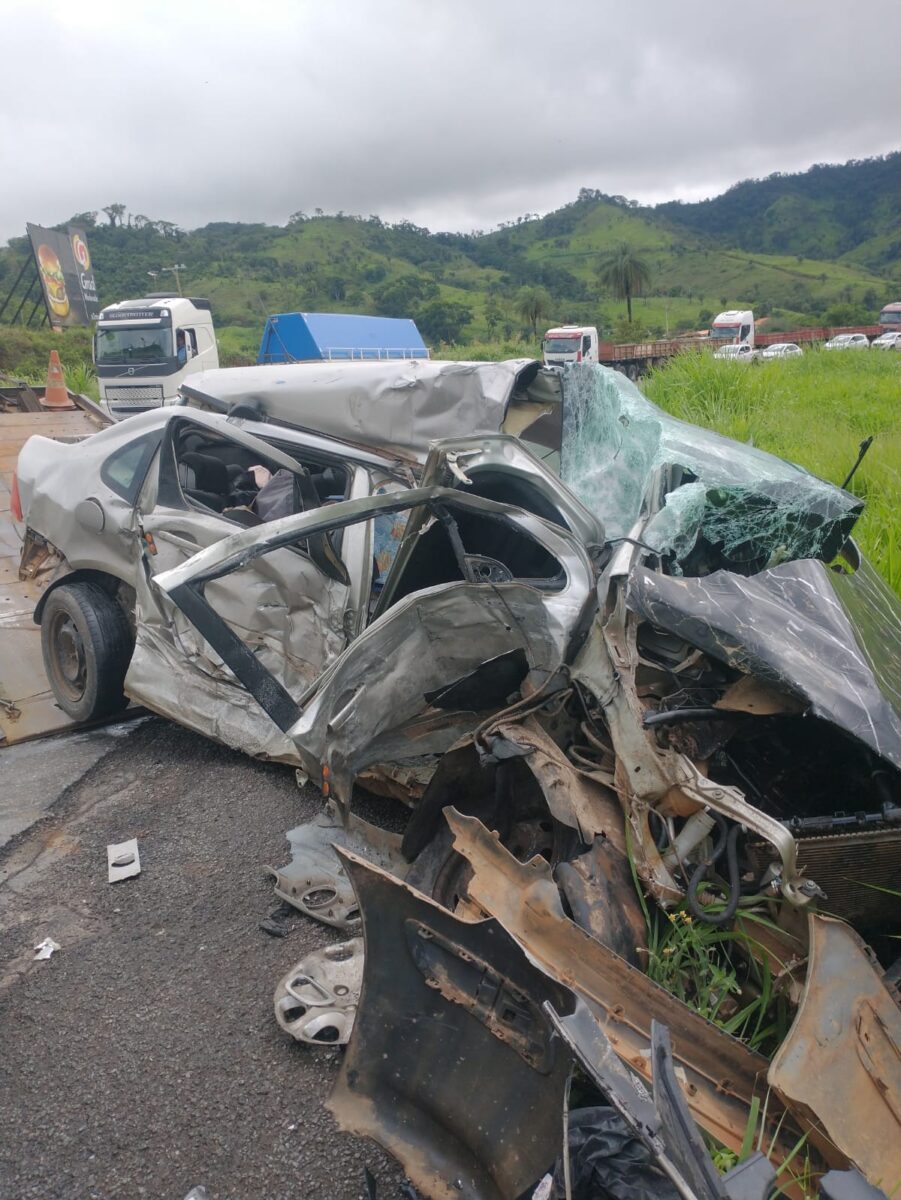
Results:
341 337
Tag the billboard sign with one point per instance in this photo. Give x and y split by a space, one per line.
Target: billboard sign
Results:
66 275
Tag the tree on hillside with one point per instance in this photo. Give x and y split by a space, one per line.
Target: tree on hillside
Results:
87 220
443 320
631 331
625 273
533 304
115 213
401 296
494 315
847 314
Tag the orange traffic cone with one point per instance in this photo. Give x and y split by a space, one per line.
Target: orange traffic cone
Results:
56 395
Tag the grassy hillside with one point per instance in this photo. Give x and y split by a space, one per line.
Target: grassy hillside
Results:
693 277
463 288
829 212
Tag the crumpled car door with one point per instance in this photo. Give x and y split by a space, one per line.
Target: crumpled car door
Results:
380 700
291 615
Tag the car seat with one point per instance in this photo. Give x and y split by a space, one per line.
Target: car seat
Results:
205 479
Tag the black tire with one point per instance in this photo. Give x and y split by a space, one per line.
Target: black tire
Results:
443 874
87 645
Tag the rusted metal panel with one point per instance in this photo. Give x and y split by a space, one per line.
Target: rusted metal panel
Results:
720 1074
842 1058
453 1066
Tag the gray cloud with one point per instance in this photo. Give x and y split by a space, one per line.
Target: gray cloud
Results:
453 113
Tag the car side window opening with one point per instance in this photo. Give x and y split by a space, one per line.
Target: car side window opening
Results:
245 486
586 344
486 548
184 339
123 472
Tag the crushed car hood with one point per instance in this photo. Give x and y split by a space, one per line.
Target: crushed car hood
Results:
830 637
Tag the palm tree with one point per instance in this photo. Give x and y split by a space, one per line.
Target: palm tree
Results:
624 272
533 304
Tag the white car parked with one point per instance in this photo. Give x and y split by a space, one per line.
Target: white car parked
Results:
848 341
888 341
782 350
739 353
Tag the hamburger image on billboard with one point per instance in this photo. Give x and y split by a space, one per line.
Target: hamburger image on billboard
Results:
66 274
54 280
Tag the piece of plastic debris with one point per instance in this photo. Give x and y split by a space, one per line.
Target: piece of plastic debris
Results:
45 948
316 1002
280 921
123 860
544 1188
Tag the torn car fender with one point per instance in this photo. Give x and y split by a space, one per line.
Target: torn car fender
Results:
453 1066
841 1060
648 776
720 1074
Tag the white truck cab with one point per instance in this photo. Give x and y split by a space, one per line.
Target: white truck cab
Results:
570 343
144 349
733 327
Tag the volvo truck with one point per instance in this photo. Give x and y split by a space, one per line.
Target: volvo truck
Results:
144 350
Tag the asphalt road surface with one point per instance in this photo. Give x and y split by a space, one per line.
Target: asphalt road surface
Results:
143 1058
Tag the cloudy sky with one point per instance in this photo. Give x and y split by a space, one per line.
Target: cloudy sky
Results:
455 114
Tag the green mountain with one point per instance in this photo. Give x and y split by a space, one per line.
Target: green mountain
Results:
851 212
753 246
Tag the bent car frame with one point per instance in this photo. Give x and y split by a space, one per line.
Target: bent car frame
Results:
653 690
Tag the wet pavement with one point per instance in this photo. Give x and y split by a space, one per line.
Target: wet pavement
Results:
143 1058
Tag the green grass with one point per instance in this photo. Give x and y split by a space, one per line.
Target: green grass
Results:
814 411
24 353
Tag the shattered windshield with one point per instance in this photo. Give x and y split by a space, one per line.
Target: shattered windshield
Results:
730 501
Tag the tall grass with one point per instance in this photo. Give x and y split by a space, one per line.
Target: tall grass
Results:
814 411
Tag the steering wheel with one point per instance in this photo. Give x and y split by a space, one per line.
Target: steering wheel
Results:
487 570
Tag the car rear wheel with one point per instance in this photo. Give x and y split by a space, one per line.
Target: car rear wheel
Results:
87 646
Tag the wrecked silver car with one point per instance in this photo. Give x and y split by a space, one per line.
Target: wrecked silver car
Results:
656 698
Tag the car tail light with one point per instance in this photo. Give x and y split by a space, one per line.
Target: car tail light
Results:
15 501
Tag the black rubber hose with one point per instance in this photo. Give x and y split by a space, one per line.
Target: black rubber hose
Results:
734 881
668 716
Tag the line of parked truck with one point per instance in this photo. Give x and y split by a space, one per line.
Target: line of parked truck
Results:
733 335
